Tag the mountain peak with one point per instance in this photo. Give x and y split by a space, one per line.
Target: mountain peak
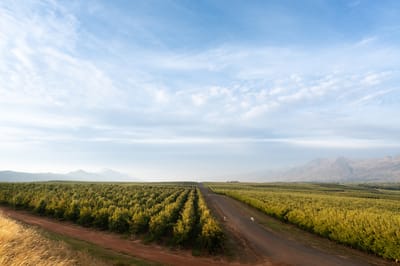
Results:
79 171
343 169
77 175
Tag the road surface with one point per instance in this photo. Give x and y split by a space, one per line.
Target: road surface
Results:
280 248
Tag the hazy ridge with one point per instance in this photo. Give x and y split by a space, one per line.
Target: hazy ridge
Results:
79 175
342 169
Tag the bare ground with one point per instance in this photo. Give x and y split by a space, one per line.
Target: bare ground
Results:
113 241
266 238
264 241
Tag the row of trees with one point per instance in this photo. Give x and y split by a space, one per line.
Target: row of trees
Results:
362 222
211 235
185 227
156 212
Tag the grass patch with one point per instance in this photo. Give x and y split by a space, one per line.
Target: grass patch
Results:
109 256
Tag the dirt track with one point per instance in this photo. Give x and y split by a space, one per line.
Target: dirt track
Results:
112 241
278 247
263 245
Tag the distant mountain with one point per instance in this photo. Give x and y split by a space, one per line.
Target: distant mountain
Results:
114 175
11 176
104 175
79 175
341 169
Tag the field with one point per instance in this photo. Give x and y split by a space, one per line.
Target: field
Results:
174 214
20 245
365 217
360 216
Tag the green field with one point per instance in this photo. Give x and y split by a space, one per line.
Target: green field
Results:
170 213
365 217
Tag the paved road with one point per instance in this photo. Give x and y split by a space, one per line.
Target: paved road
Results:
276 247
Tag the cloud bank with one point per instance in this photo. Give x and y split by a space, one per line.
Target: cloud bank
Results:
87 85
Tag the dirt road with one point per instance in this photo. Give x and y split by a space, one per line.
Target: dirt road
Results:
113 241
264 245
279 247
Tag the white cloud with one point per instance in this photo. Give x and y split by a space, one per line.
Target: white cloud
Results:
373 79
345 143
259 110
54 89
198 99
366 41
276 91
369 97
40 65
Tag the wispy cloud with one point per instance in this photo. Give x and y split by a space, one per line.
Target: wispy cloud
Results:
345 143
40 61
71 78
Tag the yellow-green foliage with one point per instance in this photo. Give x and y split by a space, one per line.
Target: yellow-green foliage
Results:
20 245
164 220
184 228
211 235
366 219
156 211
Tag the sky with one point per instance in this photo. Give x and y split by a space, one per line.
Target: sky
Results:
167 90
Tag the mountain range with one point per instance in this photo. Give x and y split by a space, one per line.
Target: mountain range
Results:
79 175
342 169
339 169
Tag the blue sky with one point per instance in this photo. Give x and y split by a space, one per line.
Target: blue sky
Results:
192 89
